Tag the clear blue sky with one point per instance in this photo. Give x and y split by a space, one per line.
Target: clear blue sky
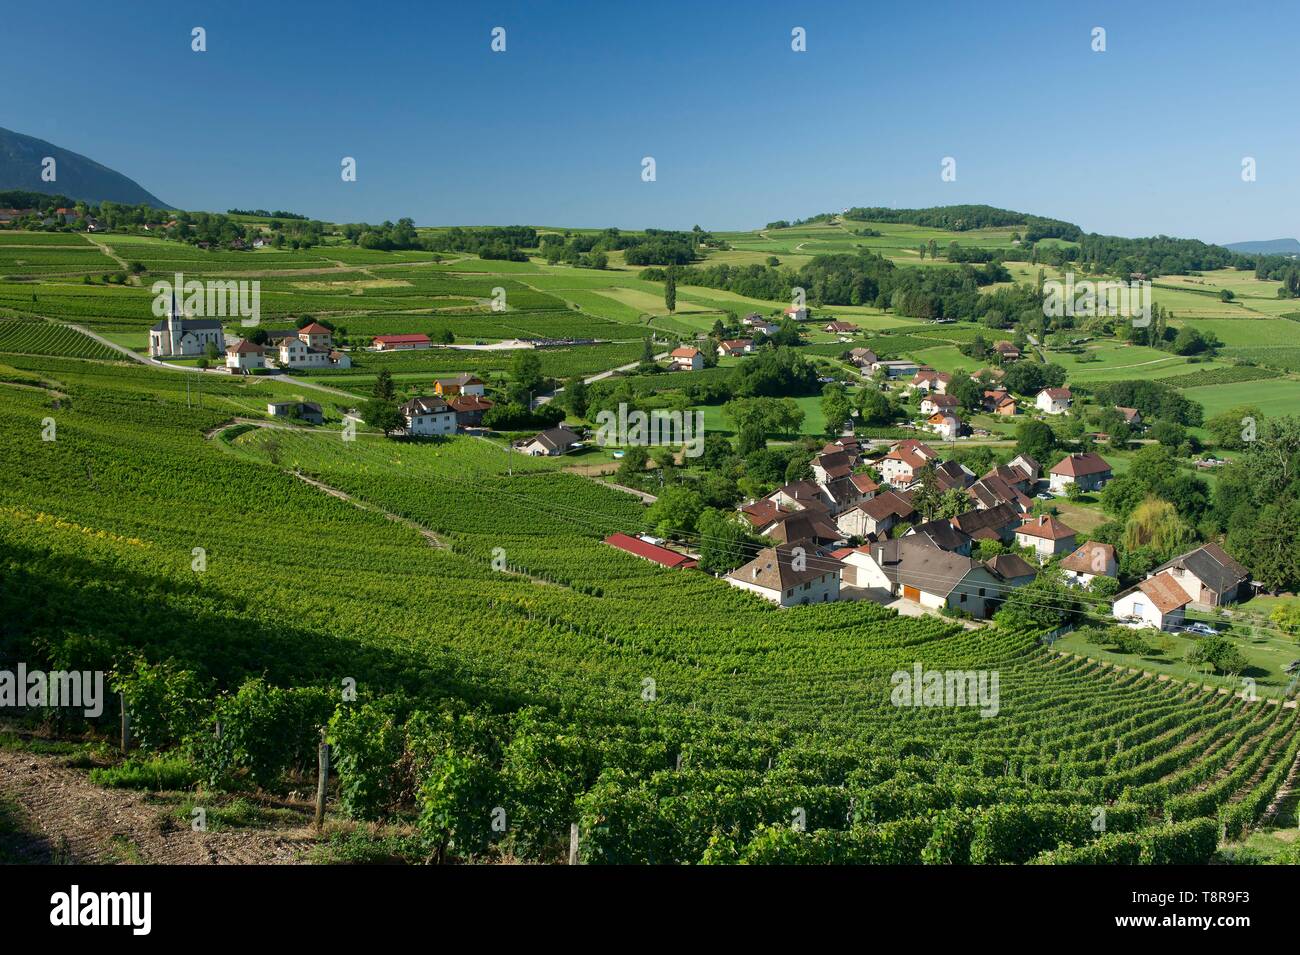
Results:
1147 137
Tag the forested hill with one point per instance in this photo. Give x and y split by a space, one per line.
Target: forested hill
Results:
963 218
76 176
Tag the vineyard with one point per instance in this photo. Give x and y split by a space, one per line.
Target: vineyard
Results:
45 338
508 659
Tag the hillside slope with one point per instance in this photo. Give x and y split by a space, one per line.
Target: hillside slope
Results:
77 176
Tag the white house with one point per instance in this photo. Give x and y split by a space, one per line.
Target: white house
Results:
1156 602
1053 400
1090 471
428 416
945 424
1092 560
1046 535
790 574
549 443
686 358
934 403
900 466
760 324
245 356
936 578
1208 576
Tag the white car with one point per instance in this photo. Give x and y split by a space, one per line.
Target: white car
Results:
1201 629
1044 496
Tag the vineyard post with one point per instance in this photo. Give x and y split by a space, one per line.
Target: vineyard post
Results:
573 843
322 779
126 724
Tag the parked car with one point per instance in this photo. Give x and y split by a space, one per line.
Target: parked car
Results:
1044 496
1201 629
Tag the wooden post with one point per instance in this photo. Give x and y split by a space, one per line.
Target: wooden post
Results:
322 780
126 724
573 843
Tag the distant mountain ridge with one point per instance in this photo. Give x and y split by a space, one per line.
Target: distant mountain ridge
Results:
77 176
1267 247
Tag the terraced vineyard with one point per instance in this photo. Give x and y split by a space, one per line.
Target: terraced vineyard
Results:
529 666
46 338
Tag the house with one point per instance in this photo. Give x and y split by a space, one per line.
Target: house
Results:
988 375
942 534
840 328
1208 576
798 313
953 476
1088 470
469 410
426 417
1157 602
177 337
763 513
935 578
1046 535
549 443
797 494
296 353
863 357
1012 568
261 242
1092 560
401 342
1132 416
651 552
1053 400
1006 351
790 574
992 490
845 492
877 516
998 401
340 359
896 368
934 403
316 335
905 459
846 443
686 358
946 426
245 356
736 346
807 524
858 569
308 411
927 379
760 324
997 523
828 467
463 384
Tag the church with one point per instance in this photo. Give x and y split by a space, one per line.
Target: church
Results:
176 337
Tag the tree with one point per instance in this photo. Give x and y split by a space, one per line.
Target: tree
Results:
1218 653
723 541
526 369
1043 604
953 502
837 407
575 396
926 496
383 414
969 395
1155 524
632 464
1229 427
675 513
383 389
670 290
874 408
1036 439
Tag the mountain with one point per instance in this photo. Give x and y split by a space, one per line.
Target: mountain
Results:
77 176
1267 247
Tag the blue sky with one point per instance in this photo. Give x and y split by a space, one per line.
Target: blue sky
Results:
1147 137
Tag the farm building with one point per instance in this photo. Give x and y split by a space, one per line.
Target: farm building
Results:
401 342
308 411
646 550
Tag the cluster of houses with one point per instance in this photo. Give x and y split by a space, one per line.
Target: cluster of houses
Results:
60 216
311 346
456 404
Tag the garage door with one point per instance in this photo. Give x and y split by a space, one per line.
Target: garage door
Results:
911 593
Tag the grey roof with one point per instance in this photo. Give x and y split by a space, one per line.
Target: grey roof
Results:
995 518
557 439
941 534
774 567
1010 566
418 406
1212 565
919 565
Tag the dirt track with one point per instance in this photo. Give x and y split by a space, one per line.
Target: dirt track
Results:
68 820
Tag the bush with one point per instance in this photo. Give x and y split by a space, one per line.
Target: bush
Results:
152 774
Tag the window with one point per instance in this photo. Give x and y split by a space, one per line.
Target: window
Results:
1139 608
963 598
981 591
